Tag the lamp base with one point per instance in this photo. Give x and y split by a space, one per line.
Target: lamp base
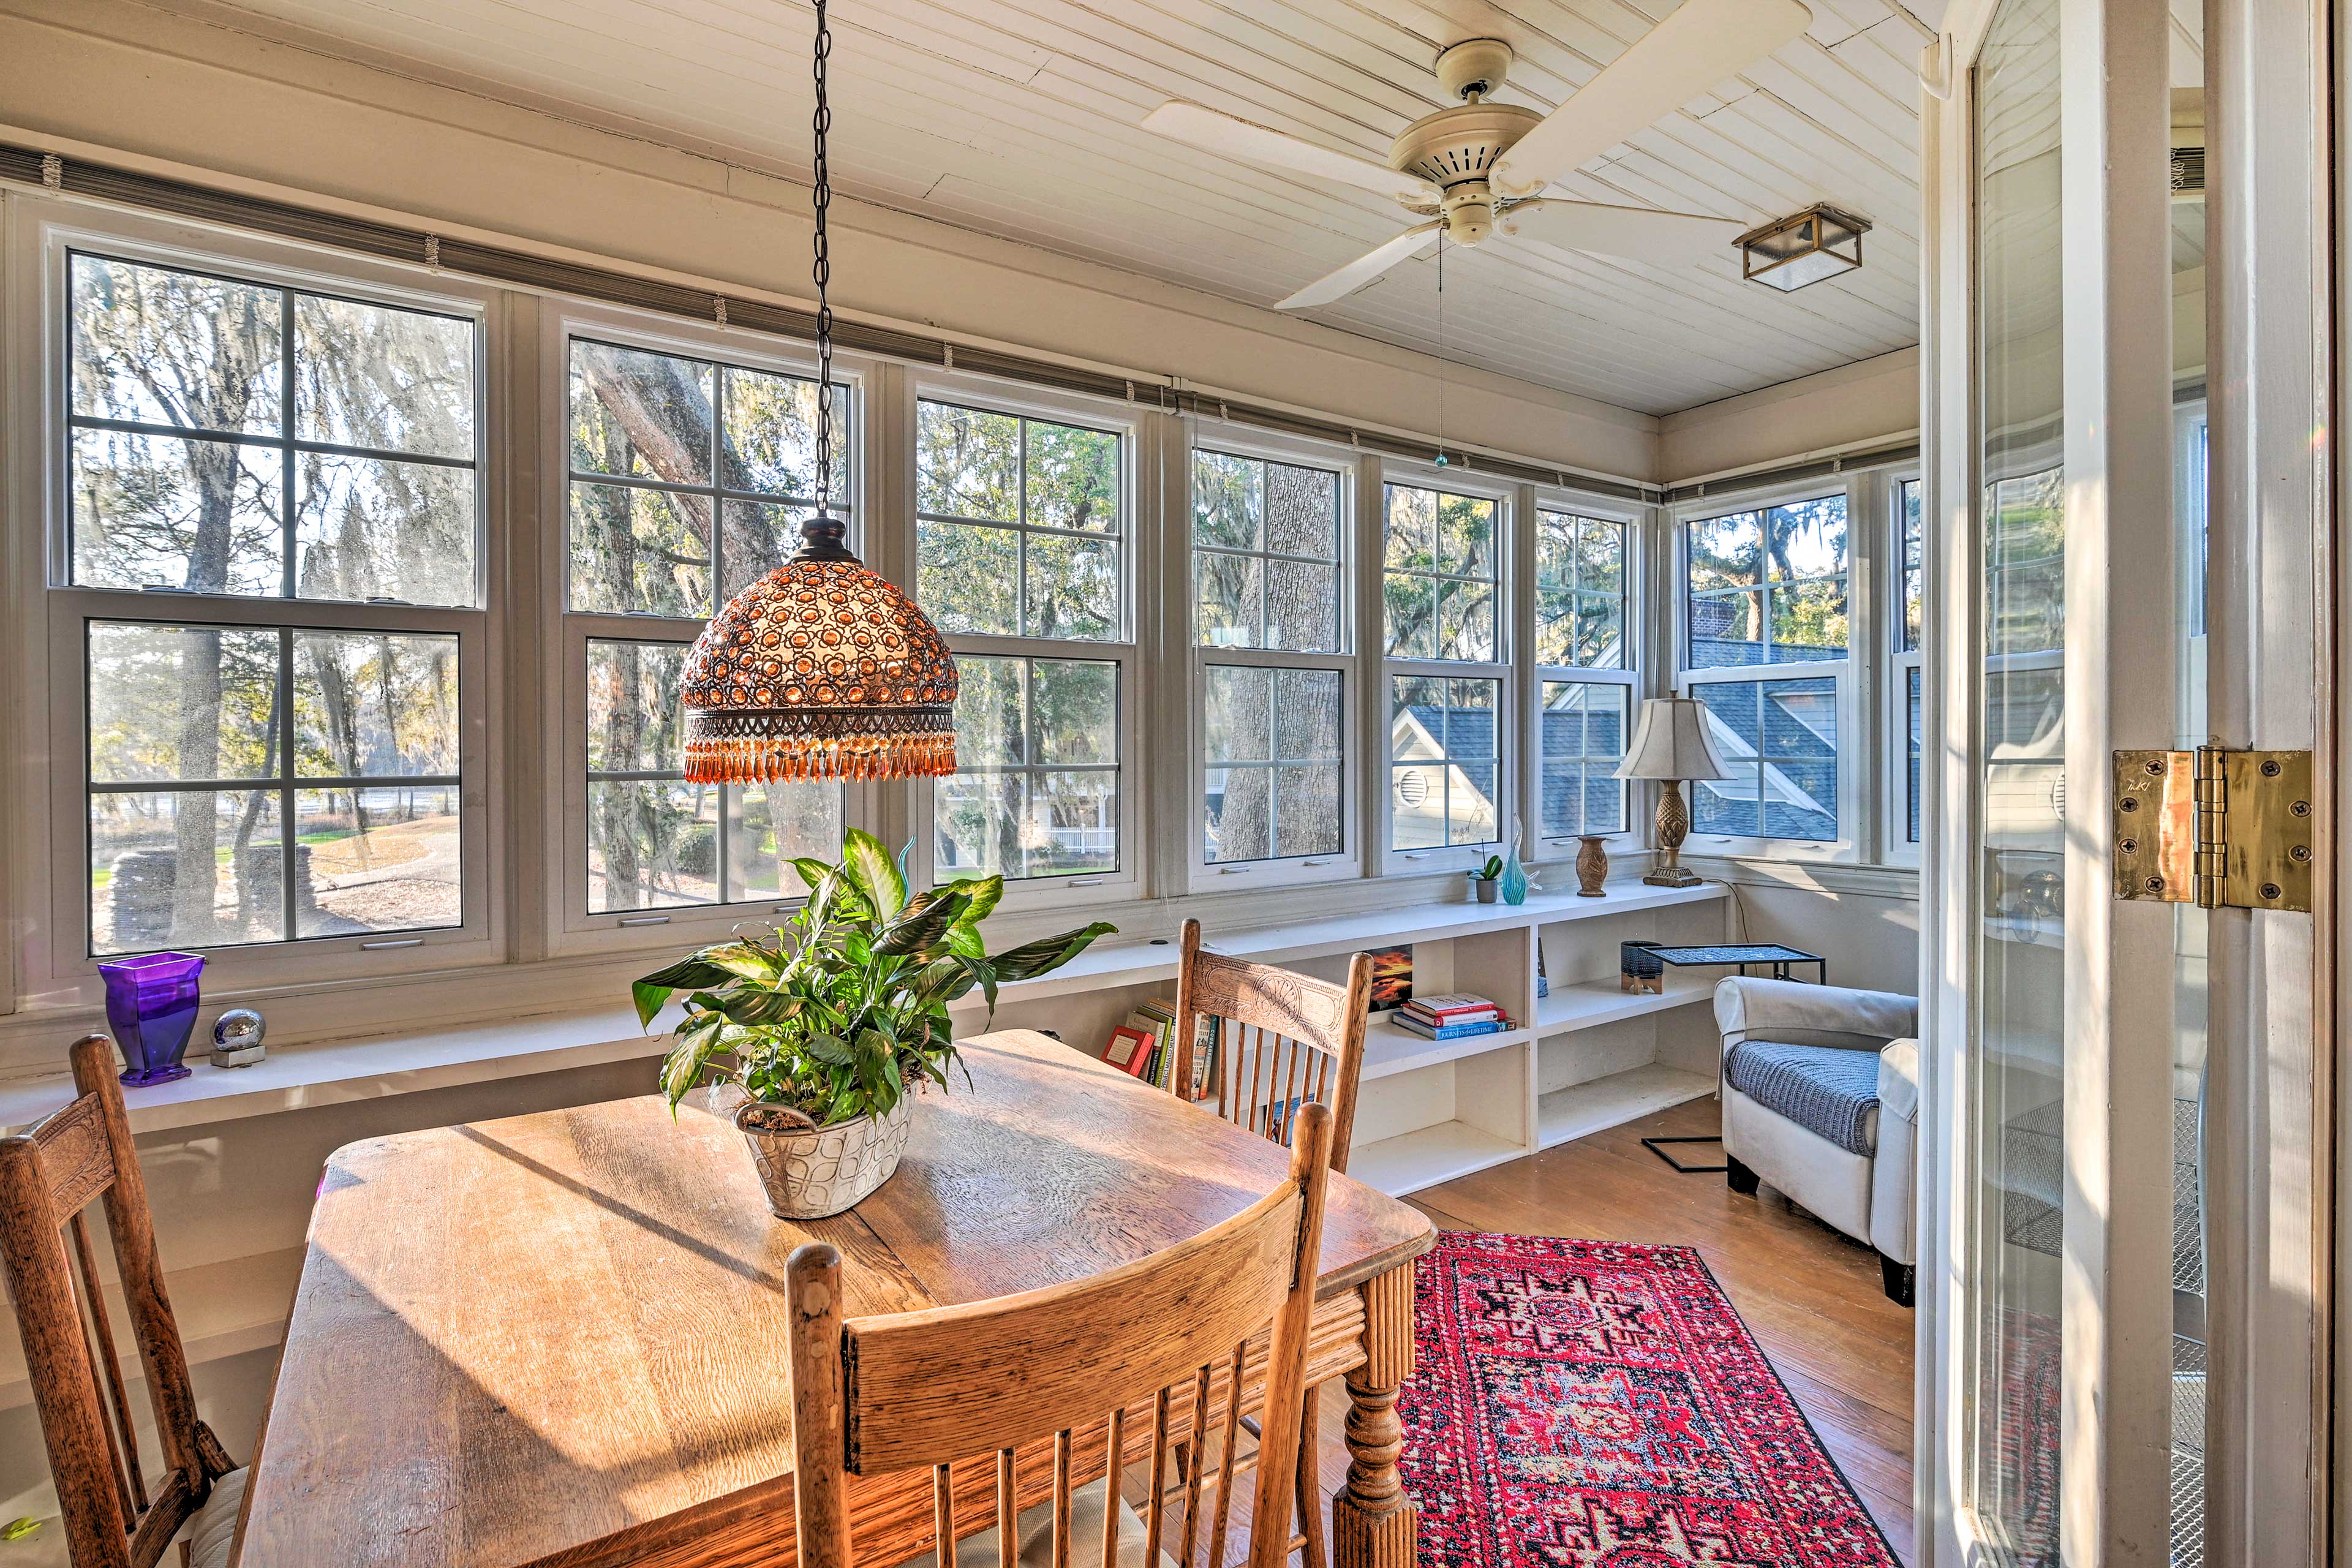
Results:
1673 876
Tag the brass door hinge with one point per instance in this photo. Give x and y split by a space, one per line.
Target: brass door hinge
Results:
2220 828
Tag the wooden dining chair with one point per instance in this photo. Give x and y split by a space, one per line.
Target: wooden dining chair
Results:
1283 1038
113 1517
966 1390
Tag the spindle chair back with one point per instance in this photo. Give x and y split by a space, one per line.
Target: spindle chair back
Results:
116 1512
968 1391
1282 1039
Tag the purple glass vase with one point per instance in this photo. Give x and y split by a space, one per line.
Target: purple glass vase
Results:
150 1001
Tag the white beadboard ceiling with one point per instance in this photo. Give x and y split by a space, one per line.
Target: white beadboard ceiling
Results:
1019 117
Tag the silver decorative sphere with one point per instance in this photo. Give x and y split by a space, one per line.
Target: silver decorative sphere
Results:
236 1039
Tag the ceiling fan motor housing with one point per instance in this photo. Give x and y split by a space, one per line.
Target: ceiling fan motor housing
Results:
1453 150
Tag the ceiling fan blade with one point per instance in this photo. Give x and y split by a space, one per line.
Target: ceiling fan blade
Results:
1696 46
1640 233
1216 133
1361 271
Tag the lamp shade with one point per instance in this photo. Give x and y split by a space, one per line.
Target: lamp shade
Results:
1671 743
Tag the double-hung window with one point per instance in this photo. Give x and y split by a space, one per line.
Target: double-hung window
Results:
1442 590
1023 545
1585 671
687 476
1906 652
1270 632
1766 650
269 583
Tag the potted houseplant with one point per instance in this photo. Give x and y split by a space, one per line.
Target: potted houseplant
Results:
824 1028
1485 880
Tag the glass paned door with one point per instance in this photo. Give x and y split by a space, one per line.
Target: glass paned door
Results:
2078 1230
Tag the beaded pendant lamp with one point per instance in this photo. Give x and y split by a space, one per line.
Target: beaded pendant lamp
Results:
821 670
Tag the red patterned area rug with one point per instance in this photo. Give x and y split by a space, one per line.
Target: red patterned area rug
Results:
1595 1404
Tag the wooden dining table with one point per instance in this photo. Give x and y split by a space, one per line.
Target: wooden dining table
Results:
559 1338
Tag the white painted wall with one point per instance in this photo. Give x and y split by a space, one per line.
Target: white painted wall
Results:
1868 403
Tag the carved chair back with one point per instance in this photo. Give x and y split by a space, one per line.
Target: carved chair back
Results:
1283 1039
982 1393
114 1516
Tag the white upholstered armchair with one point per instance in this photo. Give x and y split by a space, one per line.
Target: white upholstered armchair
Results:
1821 1099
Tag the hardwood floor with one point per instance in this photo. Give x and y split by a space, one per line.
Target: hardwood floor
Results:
1812 1296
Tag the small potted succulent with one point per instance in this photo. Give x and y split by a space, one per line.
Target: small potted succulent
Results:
1487 881
820 1032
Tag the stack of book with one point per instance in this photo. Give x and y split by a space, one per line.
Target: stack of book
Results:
1453 1016
1145 1045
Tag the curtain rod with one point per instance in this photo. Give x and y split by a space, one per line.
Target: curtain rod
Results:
419 248
1795 473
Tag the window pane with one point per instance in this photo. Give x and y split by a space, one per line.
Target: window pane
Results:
1465 621
1725 552
967 463
169 512
1555 625
2025 587
369 528
977 823
184 868
1726 630
1071 587
1599 632
651 844
968 579
1239 716
1601 556
991 713
1227 591
1237 821
643 551
1411 616
1308 817
1913 712
644 416
769 440
1555 550
1778 740
1076 714
392 380
1073 478
769 825
1073 824
169 704
1809 620
1417 718
1453 800
1307 715
1410 539
634 714
375 859
1302 512
1302 607
158 346
1808 539
1417 809
759 537
1228 500
1582 738
1913 546
1465 536
372 705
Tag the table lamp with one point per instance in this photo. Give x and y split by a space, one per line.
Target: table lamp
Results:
1671 745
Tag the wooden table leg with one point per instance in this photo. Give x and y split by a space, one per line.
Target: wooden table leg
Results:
1372 1523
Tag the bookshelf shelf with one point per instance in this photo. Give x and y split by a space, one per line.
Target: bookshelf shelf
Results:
1390 1049
1585 1109
1591 1003
1428 1155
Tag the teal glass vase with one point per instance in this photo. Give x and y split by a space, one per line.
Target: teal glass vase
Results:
1514 879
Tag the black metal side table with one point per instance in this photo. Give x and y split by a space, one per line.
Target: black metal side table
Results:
1641 966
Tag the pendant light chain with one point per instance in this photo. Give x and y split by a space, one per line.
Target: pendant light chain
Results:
821 271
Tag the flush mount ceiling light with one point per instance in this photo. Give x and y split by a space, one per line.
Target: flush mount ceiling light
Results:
822 669
1804 247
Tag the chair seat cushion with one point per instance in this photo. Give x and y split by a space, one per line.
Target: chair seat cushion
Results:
1034 1532
213 1531
1824 1089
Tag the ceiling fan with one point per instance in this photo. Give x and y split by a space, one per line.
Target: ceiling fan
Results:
1480 166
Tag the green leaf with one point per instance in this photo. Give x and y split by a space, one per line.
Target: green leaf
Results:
813 871
963 940
688 974
18 1529
913 933
748 960
1047 954
985 893
830 1049
985 975
650 999
873 872
696 1044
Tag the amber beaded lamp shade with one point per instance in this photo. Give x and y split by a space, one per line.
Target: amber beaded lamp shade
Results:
821 670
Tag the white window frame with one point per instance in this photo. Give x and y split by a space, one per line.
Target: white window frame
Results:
1138 553
1509 696
1347 862
52 858
665 927
1633 639
1847 673
1894 777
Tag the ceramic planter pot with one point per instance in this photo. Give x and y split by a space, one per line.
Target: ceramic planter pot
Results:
812 1172
1593 867
1486 888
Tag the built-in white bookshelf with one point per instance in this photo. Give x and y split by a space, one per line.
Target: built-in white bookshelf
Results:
1588 1055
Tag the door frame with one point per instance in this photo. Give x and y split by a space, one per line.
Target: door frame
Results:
2274 1130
